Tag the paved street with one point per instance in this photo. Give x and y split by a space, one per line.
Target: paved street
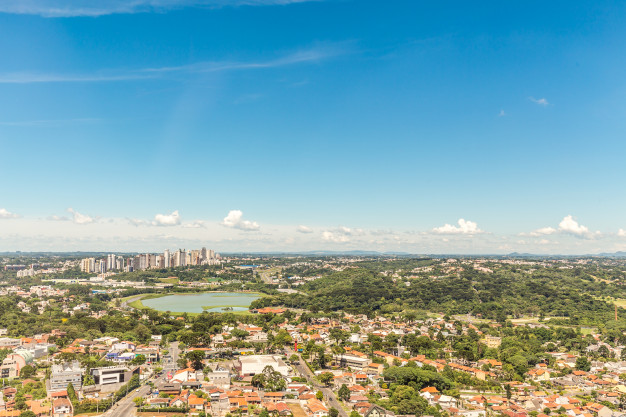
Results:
126 406
310 376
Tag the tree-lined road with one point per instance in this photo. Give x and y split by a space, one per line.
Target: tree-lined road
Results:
310 376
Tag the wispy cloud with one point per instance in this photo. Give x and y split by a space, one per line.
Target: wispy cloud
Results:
94 8
502 113
313 54
196 224
304 229
55 218
342 234
539 101
52 122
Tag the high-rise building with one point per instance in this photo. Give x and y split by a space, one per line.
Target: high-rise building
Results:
152 260
167 259
102 266
180 258
111 262
88 265
194 257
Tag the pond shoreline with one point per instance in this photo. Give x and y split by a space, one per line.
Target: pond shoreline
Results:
203 302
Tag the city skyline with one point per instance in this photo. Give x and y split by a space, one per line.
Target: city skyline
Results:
284 125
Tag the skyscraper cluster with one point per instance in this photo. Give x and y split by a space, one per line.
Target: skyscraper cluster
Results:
141 262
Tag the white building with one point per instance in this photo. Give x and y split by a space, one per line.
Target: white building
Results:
64 374
254 364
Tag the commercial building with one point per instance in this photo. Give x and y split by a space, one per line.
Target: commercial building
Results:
254 364
64 374
352 361
112 375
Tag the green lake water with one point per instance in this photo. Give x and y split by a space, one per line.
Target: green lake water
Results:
194 303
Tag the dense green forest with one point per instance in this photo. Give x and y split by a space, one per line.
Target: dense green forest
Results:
571 295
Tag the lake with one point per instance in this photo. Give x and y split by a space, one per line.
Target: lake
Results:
197 303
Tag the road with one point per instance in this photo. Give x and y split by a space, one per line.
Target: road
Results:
310 376
125 303
126 406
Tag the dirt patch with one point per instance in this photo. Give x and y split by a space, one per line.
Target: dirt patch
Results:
296 410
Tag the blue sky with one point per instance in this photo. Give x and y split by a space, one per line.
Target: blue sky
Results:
331 124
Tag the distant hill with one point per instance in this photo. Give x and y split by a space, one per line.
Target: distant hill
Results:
619 254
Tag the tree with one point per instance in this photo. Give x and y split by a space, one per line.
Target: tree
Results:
583 364
138 401
239 334
319 395
333 412
27 371
603 351
269 379
507 388
71 394
28 413
138 360
326 378
196 357
88 380
344 392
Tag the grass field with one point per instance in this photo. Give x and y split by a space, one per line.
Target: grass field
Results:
172 280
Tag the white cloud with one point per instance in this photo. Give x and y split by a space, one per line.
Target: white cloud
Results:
235 220
5 214
571 226
79 218
78 8
304 229
540 101
543 231
502 113
567 226
621 233
172 219
465 227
